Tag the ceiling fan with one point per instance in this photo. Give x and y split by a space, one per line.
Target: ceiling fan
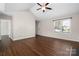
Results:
44 7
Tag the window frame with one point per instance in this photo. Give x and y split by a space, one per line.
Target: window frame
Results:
61 31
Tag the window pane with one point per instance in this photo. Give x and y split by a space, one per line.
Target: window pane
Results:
66 25
58 26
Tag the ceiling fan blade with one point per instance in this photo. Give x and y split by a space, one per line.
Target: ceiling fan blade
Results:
38 8
46 4
39 4
48 8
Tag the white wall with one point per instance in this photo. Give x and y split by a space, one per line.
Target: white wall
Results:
45 28
23 25
2 7
5 27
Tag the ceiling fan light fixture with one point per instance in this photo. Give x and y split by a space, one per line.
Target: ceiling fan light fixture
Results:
43 8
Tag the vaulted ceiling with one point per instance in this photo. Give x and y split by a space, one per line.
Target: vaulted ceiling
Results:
58 9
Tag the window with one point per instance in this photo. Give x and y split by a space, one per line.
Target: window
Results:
62 25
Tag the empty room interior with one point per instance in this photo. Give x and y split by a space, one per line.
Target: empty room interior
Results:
39 29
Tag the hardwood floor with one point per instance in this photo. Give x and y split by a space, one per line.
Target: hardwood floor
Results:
39 46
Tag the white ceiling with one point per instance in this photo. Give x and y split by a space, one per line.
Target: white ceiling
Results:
59 9
11 7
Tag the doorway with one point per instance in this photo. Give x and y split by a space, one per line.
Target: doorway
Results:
5 32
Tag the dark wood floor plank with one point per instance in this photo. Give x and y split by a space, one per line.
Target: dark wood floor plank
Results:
39 46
